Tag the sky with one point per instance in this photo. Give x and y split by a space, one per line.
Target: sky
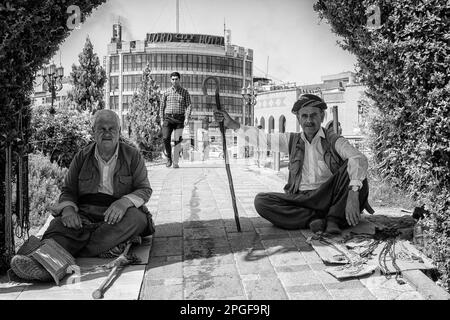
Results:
287 37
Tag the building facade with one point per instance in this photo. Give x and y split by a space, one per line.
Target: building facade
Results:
194 56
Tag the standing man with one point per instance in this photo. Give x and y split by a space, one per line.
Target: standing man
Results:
174 115
327 186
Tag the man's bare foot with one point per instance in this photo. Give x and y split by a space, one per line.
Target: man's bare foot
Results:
332 228
317 225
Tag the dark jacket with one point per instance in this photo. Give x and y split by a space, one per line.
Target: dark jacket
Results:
297 155
130 175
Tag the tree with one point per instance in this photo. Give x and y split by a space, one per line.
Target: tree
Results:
143 117
60 135
30 33
403 59
88 80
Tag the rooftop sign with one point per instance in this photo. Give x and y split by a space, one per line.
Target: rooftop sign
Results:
185 37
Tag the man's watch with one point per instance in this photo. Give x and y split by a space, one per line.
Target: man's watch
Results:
355 188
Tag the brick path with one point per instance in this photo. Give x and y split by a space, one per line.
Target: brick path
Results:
197 252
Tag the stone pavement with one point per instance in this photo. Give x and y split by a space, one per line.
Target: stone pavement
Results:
197 252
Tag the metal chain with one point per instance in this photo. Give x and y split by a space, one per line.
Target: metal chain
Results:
398 271
355 262
389 250
371 248
382 259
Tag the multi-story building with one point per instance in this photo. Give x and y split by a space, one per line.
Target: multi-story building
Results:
194 56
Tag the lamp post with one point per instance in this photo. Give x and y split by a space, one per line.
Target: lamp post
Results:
52 76
249 95
114 106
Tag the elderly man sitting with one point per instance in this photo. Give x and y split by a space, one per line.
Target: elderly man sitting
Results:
327 186
102 202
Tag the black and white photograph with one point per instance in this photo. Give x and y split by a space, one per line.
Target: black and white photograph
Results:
234 158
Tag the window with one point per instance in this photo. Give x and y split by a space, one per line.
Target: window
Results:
164 61
151 61
114 64
238 66
127 63
179 59
190 59
248 68
182 62
126 101
185 62
113 83
139 62
208 64
131 82
134 62
114 102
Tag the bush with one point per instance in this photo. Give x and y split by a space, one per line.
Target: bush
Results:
62 135
45 183
405 64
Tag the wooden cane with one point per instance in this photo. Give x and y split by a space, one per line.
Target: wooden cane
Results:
224 145
98 293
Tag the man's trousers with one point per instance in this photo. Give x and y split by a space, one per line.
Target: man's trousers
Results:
175 124
296 211
97 236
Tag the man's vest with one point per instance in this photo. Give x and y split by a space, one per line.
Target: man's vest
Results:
297 155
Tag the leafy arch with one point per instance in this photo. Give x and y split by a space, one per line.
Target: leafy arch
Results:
30 34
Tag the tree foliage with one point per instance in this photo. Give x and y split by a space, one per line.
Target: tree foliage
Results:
143 117
46 181
30 34
88 80
404 62
61 135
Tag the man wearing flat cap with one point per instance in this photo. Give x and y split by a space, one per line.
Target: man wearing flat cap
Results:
327 186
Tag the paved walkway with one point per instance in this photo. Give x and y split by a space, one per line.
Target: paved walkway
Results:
197 252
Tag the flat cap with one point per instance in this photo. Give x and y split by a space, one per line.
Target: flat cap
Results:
308 100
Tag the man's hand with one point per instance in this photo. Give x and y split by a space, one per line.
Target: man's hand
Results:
352 212
117 210
221 115
70 218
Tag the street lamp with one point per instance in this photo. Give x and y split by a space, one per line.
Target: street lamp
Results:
114 105
249 95
52 76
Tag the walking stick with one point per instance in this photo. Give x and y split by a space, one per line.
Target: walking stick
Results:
119 262
224 144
